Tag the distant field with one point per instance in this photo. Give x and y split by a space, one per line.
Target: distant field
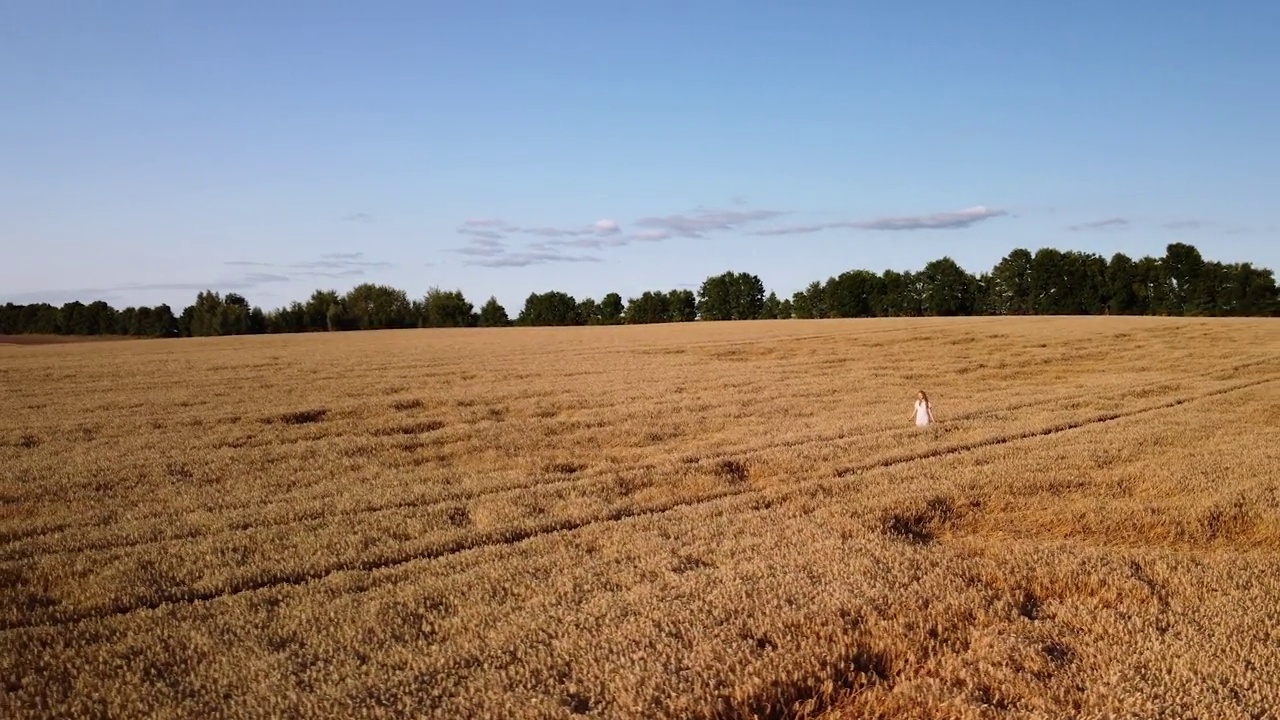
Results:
709 520
57 339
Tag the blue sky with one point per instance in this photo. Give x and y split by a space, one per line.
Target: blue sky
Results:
150 149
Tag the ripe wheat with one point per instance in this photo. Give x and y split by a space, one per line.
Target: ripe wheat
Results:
713 520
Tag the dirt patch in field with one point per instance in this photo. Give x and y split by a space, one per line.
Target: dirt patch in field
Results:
28 340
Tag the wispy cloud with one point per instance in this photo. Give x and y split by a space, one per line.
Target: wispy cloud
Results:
334 266
340 264
590 242
653 235
1112 222
482 233
934 221
487 237
479 250
487 242
937 221
360 217
525 259
488 223
496 229
60 297
264 278
117 293
1251 230
332 274
698 224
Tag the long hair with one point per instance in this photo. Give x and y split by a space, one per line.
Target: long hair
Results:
925 396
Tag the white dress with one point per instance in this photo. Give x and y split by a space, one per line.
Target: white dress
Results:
922 413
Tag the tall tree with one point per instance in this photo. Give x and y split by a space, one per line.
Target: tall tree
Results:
1183 267
853 294
811 303
947 288
1122 286
731 296
772 307
1256 291
447 308
377 307
1011 286
611 309
682 306
321 307
650 307
73 319
492 314
588 311
900 296
1050 288
549 308
1152 286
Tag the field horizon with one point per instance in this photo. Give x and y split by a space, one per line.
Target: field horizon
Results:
691 520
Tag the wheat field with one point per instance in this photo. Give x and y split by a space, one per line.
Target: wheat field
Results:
706 520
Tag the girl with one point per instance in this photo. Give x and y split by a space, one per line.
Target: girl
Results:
922 413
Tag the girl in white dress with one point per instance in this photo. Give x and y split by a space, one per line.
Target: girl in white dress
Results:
922 413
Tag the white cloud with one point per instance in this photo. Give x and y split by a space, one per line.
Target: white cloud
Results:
934 221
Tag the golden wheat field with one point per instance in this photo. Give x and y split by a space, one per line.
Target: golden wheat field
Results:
706 520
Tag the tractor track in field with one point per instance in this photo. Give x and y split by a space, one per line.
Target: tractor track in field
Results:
512 536
606 474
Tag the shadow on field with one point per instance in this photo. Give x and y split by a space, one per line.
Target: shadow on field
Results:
855 669
922 524
301 417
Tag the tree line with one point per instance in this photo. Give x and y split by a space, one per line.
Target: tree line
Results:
1046 282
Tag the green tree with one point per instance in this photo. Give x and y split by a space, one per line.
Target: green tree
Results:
982 294
1183 267
100 318
232 318
809 303
337 318
323 308
772 307
852 294
370 306
650 307
785 310
127 322
731 296
588 311
682 306
492 314
163 321
1011 287
900 295
206 315
1255 291
1152 286
447 308
1050 288
549 308
947 289
73 319
289 319
1122 285
611 309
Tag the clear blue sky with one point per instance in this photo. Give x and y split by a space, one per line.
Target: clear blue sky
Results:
150 149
